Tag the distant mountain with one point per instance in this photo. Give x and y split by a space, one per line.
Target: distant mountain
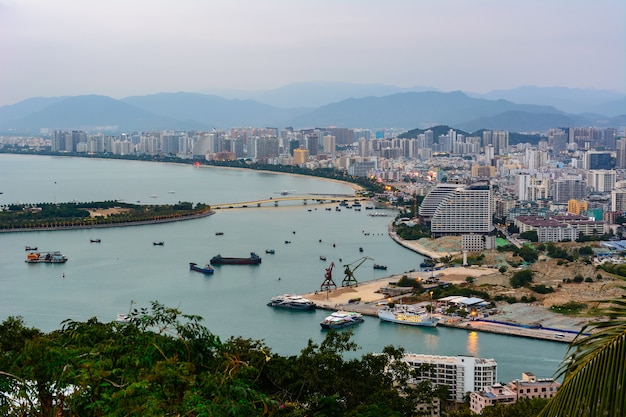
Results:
188 111
88 113
315 94
410 109
211 111
570 100
26 107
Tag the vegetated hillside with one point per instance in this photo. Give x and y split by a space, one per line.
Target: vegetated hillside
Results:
556 273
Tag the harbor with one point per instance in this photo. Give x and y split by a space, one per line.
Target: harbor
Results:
367 297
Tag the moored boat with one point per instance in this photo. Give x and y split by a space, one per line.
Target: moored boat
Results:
95 240
379 266
254 259
55 257
292 301
403 314
340 319
158 243
206 269
30 248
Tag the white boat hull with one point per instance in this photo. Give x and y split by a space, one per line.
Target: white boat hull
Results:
408 318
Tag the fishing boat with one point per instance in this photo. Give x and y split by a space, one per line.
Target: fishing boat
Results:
55 257
206 269
158 243
27 248
219 233
340 319
254 259
379 266
322 258
291 301
95 240
270 251
404 314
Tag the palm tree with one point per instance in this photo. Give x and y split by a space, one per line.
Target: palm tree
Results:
594 370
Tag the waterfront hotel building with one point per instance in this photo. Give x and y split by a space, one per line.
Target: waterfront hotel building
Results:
463 211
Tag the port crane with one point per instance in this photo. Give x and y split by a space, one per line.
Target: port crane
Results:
328 283
349 280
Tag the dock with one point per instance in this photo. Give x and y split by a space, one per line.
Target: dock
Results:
370 296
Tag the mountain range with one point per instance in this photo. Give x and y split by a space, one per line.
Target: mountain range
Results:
526 109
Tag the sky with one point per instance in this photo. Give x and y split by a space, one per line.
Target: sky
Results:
122 48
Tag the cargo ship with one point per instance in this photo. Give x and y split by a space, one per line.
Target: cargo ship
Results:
55 257
254 259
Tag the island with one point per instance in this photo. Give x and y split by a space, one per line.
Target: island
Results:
63 216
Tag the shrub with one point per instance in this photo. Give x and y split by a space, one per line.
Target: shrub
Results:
542 289
521 278
571 307
588 279
578 278
502 269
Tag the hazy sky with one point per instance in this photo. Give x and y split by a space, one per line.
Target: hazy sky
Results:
121 48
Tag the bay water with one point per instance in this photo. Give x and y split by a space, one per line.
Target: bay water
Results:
102 279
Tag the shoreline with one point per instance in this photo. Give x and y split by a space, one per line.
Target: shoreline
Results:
107 225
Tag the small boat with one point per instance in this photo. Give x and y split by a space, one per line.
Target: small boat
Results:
287 242
403 314
171 192
340 319
270 251
206 269
360 249
219 233
291 301
356 204
328 209
153 196
254 259
95 240
46 257
158 243
30 248
378 266
322 258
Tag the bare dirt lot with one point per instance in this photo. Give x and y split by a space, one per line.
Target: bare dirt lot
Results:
106 212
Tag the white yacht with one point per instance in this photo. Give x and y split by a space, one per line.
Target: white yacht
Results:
292 301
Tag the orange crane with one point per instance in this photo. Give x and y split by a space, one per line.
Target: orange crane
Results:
350 280
328 283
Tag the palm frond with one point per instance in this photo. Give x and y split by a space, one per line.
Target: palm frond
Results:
594 370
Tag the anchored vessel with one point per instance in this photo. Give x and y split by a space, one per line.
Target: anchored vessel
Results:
206 269
403 314
340 319
55 257
292 301
254 259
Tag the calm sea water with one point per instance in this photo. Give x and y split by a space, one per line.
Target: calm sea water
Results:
101 279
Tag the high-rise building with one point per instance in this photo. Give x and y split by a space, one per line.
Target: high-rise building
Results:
597 160
620 146
464 211
300 156
601 180
461 374
570 188
433 198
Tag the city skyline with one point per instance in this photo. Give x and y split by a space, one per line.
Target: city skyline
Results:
121 49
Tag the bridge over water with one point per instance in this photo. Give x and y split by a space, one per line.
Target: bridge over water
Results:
275 201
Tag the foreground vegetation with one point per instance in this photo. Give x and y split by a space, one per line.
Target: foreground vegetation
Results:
163 362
